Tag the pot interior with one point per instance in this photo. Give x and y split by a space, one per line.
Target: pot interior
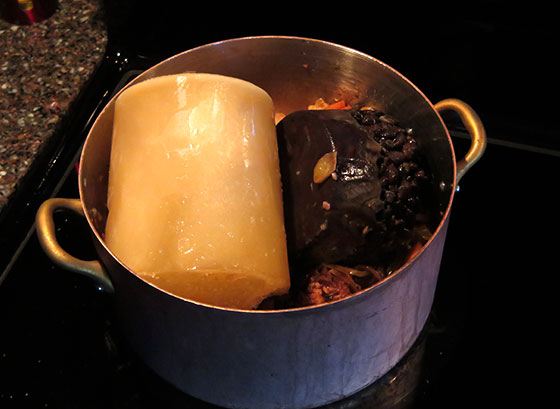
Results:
295 72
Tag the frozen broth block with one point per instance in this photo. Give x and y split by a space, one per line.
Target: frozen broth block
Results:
195 196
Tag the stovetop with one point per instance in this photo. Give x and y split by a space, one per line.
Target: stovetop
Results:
59 347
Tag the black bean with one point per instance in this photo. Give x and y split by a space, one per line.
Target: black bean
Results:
390 196
390 175
404 190
420 175
396 157
409 149
367 117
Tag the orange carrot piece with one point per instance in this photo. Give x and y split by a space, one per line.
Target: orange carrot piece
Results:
338 105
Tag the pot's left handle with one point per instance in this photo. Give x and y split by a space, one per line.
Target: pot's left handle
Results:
44 223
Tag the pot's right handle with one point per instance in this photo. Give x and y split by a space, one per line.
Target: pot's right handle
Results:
474 127
44 224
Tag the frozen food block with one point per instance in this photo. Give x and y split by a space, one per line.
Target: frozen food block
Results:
195 197
356 189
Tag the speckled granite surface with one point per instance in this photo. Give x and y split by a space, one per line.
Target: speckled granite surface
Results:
43 68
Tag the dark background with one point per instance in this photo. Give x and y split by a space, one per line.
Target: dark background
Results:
497 56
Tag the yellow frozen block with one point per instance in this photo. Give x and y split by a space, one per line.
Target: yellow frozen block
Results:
195 197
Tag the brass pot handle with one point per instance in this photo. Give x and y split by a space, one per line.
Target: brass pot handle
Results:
44 223
474 127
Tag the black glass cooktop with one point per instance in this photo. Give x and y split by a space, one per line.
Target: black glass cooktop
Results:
59 347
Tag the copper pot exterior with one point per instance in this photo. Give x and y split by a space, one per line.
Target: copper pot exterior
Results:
297 358
282 359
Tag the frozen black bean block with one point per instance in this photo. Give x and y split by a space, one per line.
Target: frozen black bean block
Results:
356 191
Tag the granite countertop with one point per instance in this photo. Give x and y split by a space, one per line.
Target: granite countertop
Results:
43 68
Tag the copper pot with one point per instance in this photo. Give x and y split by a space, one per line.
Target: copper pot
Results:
297 358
